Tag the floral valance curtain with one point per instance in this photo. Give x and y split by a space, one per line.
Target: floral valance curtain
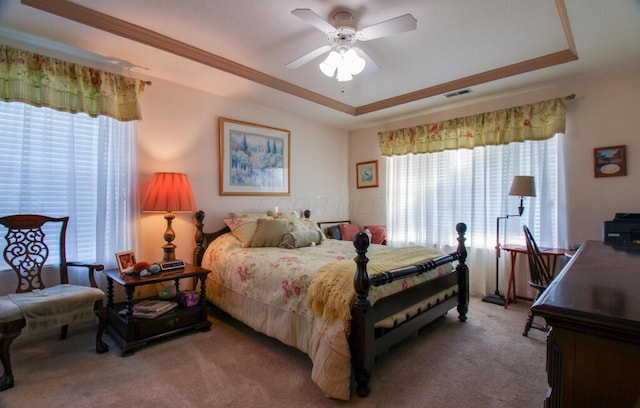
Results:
536 121
65 86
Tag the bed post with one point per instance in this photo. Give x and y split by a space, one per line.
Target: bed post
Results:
462 271
361 339
198 251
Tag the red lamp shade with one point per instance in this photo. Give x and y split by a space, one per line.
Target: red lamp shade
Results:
169 192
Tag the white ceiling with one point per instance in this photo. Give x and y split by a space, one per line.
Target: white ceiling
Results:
454 39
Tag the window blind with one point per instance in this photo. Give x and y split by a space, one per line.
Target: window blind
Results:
61 164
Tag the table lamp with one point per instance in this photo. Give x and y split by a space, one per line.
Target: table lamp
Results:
522 186
169 193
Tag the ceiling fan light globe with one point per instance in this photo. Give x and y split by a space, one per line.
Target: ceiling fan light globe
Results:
357 66
327 69
353 61
329 65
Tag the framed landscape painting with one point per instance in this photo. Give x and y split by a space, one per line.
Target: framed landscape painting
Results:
254 159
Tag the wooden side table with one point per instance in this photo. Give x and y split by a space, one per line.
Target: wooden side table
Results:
551 255
131 332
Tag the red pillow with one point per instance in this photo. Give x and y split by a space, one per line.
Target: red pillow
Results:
348 231
378 233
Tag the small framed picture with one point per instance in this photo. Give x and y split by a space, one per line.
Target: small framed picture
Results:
610 161
367 173
126 261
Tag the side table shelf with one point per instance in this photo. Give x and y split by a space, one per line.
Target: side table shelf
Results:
133 332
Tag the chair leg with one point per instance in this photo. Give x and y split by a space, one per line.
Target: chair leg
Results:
101 346
6 381
63 331
528 324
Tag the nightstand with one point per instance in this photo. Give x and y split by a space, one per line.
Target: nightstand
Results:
131 332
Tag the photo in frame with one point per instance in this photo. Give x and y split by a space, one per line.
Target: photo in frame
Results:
254 159
126 261
367 174
610 161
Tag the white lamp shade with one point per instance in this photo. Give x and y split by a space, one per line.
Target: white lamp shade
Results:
329 65
523 186
353 61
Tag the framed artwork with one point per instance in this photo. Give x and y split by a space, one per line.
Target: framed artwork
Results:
126 261
254 159
367 173
610 161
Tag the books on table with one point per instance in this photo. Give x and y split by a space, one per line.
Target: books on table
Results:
151 308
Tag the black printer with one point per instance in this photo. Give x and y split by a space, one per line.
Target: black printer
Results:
624 229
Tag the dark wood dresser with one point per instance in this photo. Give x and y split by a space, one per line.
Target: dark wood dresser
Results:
593 349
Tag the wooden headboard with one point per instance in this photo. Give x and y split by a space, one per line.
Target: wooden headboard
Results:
203 239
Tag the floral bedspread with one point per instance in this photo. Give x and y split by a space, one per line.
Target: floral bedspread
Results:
266 289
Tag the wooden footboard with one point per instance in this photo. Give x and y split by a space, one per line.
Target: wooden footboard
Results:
364 342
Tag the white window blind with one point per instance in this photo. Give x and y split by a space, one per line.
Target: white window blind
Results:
428 194
61 164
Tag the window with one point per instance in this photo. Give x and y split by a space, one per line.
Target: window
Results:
61 164
428 194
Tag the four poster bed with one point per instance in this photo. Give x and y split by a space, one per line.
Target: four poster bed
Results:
313 296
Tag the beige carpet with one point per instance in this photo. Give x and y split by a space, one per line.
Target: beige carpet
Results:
485 362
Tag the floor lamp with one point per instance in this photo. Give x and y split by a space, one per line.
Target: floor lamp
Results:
522 186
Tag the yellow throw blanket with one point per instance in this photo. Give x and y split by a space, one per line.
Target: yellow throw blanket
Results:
331 292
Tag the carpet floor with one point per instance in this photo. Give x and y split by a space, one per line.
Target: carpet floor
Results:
484 362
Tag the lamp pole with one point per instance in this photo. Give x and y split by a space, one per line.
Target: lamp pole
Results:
496 297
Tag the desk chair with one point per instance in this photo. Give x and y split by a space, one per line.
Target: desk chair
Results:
540 275
34 305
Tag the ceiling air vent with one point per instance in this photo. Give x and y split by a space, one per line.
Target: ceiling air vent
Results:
457 93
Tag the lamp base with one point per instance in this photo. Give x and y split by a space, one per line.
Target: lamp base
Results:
496 299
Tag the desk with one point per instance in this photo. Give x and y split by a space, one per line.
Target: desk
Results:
551 255
593 350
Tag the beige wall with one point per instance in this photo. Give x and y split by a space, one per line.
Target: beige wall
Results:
603 114
179 132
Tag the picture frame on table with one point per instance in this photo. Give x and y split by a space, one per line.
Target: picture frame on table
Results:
610 161
367 174
254 159
126 261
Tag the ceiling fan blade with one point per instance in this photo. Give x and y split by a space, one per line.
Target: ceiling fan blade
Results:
396 25
314 19
370 65
309 56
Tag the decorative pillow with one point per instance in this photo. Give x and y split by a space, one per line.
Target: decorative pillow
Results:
378 234
348 231
306 224
243 228
269 232
285 214
334 232
299 239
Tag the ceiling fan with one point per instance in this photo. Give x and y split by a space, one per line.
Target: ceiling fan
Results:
345 59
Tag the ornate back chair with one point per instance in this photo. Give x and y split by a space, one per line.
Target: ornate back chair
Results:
540 275
34 305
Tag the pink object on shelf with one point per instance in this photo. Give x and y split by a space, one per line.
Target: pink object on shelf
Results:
188 298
